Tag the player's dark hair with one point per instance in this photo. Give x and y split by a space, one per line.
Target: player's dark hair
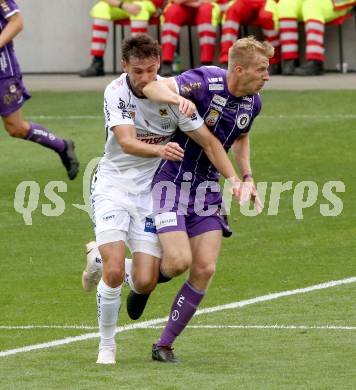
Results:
140 46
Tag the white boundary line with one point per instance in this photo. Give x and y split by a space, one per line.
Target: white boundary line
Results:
141 325
275 326
297 116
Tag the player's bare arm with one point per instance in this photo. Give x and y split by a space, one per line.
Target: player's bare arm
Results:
214 150
248 191
14 26
126 137
164 91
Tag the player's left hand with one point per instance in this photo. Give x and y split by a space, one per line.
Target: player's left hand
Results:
171 151
245 192
186 107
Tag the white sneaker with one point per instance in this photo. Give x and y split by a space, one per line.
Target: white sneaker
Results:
92 273
107 355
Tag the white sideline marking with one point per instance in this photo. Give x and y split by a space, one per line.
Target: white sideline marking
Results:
140 325
276 326
281 116
307 327
79 327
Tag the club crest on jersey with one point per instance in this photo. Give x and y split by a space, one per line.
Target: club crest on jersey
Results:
163 112
132 114
212 118
242 121
165 123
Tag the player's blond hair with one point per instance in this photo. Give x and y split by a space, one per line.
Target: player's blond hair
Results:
244 50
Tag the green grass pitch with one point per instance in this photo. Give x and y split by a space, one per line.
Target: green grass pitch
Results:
300 136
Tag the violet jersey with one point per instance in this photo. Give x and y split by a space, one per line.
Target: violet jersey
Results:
9 67
154 123
226 116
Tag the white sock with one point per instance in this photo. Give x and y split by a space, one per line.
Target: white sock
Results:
108 300
128 274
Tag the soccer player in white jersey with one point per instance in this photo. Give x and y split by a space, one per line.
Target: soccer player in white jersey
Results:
138 134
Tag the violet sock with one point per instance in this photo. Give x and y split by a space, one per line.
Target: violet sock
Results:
39 134
184 306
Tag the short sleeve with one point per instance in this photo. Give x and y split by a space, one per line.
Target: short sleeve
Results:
115 107
189 124
191 84
8 8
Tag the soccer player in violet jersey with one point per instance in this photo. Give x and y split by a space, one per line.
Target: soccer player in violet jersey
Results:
189 221
13 93
138 137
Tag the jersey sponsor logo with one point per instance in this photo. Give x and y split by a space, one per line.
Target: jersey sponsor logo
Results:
242 121
109 217
216 87
215 79
150 227
124 113
246 106
187 88
155 140
4 6
166 219
232 106
121 105
3 62
15 95
219 100
163 112
212 118
216 107
249 99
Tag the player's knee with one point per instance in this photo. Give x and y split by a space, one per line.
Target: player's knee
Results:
205 272
16 130
177 263
113 276
144 285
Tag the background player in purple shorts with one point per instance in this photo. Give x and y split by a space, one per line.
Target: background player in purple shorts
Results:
190 231
13 93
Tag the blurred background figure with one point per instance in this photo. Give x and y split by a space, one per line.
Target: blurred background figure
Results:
314 14
13 93
261 13
104 13
205 14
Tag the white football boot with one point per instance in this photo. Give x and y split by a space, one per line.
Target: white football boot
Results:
107 355
92 273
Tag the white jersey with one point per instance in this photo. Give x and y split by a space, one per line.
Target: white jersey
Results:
155 123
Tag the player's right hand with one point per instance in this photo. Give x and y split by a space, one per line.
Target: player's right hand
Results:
186 107
171 151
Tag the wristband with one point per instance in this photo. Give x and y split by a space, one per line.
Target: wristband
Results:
246 176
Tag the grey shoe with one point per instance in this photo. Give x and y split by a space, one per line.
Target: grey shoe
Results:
69 159
163 354
310 68
95 69
288 67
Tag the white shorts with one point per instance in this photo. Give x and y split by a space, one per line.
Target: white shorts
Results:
121 216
